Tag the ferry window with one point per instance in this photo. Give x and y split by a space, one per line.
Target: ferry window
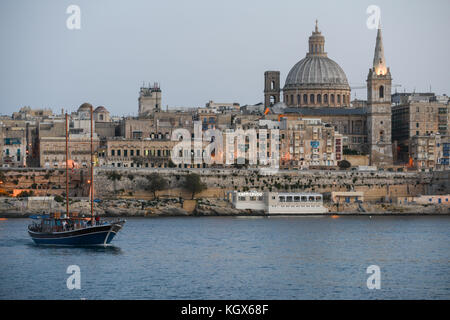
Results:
241 198
281 199
296 199
260 198
318 198
304 199
288 199
273 197
252 198
311 198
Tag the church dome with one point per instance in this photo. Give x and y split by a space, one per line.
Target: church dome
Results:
316 72
85 107
316 80
100 109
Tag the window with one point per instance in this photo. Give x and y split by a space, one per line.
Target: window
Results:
281 199
325 98
319 98
305 98
113 153
311 98
332 98
381 92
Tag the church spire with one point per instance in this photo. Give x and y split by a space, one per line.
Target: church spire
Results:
379 63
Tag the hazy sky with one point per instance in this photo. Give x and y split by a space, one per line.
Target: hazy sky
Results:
203 50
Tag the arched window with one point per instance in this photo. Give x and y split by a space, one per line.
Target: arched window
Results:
319 98
272 85
298 99
339 98
305 99
292 99
325 98
343 99
311 98
381 92
332 98
315 48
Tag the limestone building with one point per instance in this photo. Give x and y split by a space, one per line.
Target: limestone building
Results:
149 100
317 88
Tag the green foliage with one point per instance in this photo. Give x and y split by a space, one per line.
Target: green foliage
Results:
344 164
25 194
114 175
194 184
59 198
156 183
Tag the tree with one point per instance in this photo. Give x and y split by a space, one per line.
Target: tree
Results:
155 183
344 164
114 176
194 184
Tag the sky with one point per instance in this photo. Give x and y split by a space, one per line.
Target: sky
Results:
203 50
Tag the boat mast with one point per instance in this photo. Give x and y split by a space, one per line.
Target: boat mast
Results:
92 166
67 166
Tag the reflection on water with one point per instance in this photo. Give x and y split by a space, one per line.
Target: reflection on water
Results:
110 249
237 258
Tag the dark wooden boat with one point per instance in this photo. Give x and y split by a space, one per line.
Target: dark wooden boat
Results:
73 230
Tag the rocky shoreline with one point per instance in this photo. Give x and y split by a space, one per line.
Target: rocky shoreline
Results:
175 207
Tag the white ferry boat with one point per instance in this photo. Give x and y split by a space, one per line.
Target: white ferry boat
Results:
279 203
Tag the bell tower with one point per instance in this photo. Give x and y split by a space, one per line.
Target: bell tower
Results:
271 88
379 107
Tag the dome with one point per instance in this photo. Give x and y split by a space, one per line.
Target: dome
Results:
316 72
316 80
85 107
100 109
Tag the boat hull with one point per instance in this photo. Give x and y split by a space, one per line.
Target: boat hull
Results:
90 236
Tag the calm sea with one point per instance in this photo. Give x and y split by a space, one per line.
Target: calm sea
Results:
238 258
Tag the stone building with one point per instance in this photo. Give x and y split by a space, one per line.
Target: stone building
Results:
149 100
136 153
13 146
309 143
316 80
53 151
101 114
430 151
317 87
378 108
26 113
417 114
